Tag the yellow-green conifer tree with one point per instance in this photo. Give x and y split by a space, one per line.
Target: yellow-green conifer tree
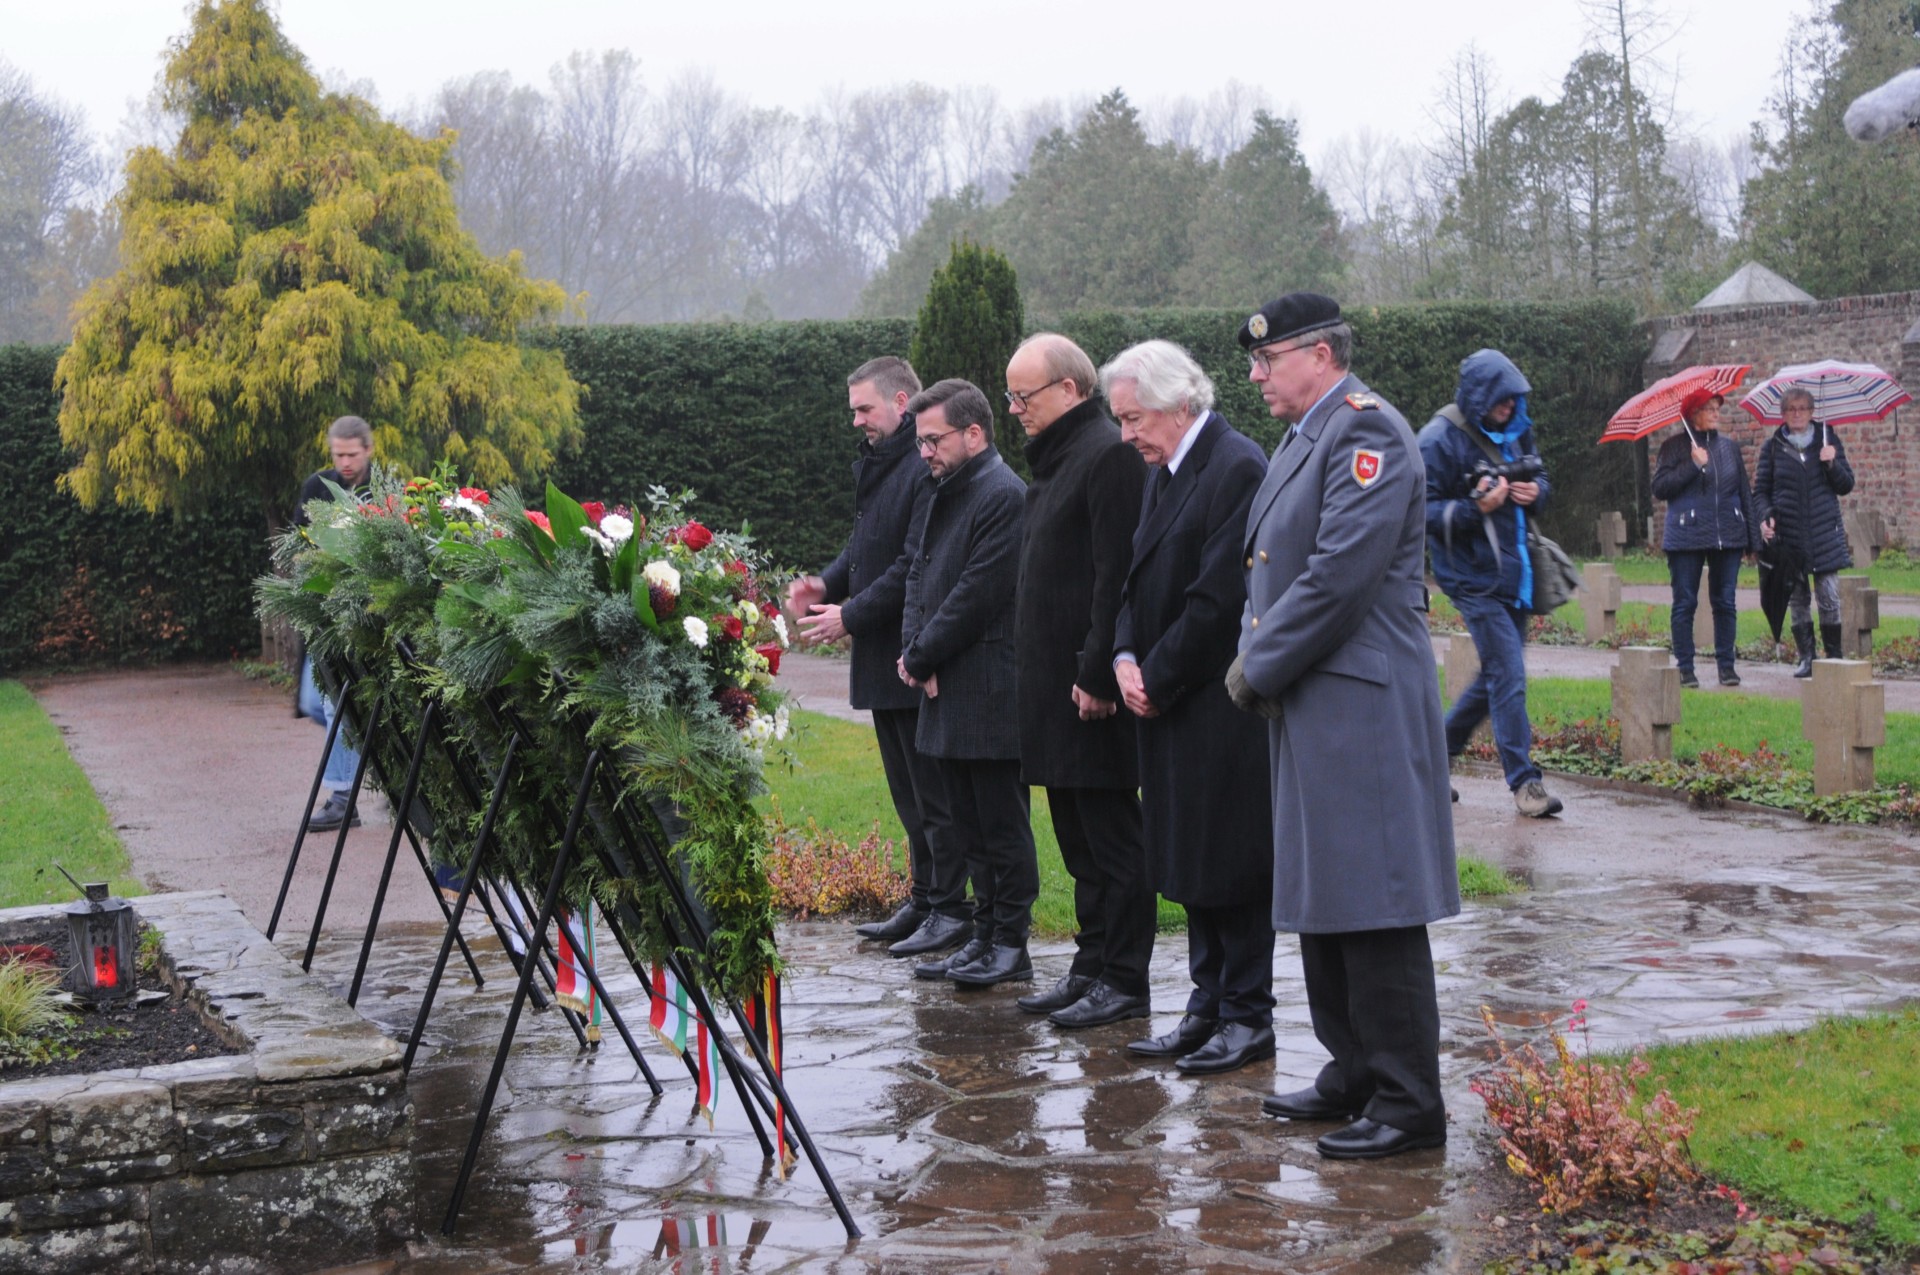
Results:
296 258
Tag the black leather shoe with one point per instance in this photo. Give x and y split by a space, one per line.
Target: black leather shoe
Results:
1002 964
1232 1047
938 967
936 934
1306 1104
1103 1003
332 813
1069 989
896 927
1728 677
1192 1033
1366 1139
1687 679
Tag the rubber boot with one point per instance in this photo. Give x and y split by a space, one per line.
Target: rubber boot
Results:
1830 638
1803 638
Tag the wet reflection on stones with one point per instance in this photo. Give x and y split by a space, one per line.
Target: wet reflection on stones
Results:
966 1135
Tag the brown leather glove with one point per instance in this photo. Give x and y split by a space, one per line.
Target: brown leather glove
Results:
1245 697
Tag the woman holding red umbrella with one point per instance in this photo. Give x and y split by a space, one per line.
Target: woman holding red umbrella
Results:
1701 477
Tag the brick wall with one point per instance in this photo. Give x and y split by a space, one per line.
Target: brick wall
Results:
1885 454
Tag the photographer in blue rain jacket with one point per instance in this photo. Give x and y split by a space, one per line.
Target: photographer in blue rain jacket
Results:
1484 480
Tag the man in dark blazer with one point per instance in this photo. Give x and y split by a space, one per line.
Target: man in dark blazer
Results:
860 596
957 648
1082 507
1334 651
1203 763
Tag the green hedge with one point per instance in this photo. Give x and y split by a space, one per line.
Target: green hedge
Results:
112 584
754 418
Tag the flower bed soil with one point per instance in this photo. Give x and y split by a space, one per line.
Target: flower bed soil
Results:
124 1034
1511 1234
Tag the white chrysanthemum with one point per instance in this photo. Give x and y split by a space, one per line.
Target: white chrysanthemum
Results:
780 629
780 722
617 529
463 505
696 630
664 575
606 545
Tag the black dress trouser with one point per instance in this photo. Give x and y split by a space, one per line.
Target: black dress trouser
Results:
981 812
939 882
1375 1008
1104 847
1230 958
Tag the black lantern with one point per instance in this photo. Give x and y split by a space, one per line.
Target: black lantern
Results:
100 932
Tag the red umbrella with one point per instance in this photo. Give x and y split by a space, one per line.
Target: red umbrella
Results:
1659 404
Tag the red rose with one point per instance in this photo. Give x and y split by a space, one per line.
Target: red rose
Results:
539 520
693 536
738 568
729 627
769 609
771 653
476 495
594 510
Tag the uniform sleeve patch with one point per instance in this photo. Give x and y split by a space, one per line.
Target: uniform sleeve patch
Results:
1361 402
1366 466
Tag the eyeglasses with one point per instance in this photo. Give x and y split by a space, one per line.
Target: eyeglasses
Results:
929 442
1020 398
1263 360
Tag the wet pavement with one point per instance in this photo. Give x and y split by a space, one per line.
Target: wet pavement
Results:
968 1136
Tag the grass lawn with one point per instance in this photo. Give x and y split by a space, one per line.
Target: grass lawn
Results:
831 774
1651 568
1718 718
48 813
1753 624
1821 1121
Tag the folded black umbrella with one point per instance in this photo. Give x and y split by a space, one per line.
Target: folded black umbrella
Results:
1777 569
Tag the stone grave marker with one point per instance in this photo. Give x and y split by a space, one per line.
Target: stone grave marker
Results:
1612 527
1844 713
1646 703
1859 617
1600 599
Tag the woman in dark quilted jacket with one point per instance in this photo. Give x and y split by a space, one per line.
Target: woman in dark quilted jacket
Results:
1701 477
1797 483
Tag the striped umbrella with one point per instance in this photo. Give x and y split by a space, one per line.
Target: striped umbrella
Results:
1659 403
1842 392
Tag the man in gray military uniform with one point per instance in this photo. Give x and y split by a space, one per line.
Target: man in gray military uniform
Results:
1334 651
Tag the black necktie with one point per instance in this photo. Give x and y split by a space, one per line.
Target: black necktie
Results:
1162 478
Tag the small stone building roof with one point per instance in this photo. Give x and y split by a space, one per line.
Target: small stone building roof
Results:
1751 284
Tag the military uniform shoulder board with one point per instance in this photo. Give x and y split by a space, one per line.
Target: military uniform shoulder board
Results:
1361 402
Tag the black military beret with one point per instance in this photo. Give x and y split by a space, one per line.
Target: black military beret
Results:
1295 314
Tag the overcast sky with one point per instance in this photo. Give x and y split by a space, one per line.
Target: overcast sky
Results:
1336 67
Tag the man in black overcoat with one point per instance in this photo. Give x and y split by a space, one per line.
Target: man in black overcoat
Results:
1204 782
1082 506
860 596
957 648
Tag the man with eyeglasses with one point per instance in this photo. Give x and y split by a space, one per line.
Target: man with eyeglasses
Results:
1334 651
956 635
1083 504
859 597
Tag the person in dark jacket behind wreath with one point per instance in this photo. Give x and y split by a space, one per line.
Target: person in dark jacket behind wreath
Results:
1082 507
350 446
956 636
1205 792
1701 477
1477 539
1797 483
859 596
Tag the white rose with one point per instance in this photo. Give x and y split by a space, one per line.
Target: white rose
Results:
617 529
663 574
696 630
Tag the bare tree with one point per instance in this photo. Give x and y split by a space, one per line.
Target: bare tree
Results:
902 139
49 176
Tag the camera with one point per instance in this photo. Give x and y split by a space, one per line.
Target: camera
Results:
1521 469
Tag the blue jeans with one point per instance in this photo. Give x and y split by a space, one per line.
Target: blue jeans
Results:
343 760
1499 634
1723 577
